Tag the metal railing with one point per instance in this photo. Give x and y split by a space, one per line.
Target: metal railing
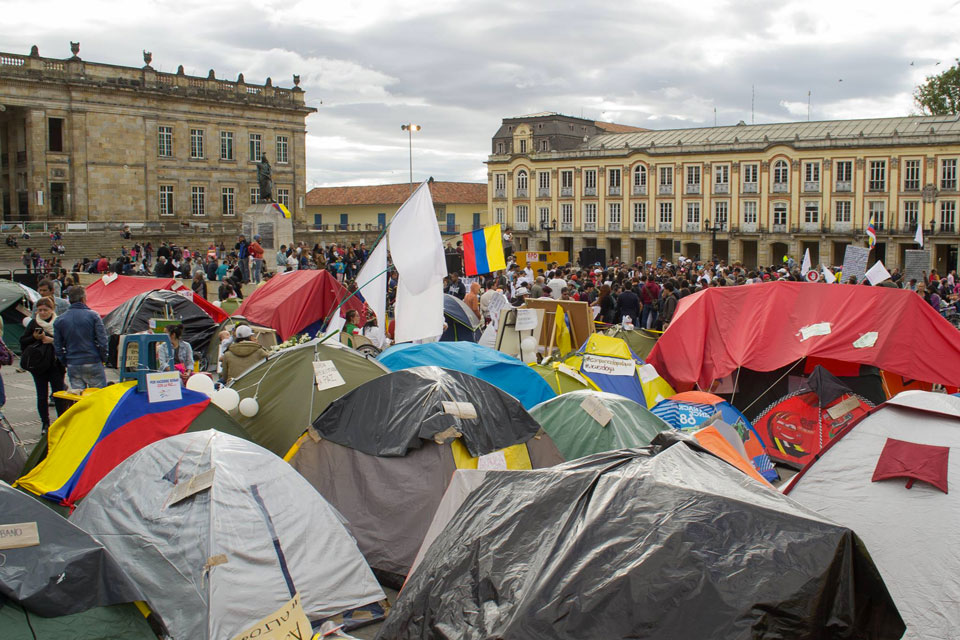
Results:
811 187
751 187
499 193
778 228
522 193
613 226
543 192
638 226
693 189
844 186
613 191
639 189
665 189
566 192
691 227
781 187
589 226
521 226
566 226
664 226
589 191
721 188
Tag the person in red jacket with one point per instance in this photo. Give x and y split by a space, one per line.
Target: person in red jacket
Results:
256 253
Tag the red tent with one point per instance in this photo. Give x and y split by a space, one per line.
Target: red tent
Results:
104 298
297 302
767 326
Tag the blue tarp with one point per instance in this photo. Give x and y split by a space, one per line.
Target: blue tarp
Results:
502 371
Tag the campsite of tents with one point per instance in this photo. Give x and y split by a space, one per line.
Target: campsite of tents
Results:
610 365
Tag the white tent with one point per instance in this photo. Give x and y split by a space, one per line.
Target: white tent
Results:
911 534
219 533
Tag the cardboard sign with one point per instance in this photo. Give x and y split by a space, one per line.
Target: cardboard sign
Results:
187 488
496 461
526 320
596 410
19 535
327 375
915 263
498 302
842 408
573 374
163 386
607 366
132 360
287 622
877 273
855 262
462 410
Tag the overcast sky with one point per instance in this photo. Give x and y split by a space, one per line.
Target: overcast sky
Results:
458 68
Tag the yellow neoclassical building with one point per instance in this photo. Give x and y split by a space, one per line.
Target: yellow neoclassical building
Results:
749 193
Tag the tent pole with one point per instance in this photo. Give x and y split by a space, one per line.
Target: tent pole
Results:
772 386
736 381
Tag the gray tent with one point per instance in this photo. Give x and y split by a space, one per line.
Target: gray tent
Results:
13 455
217 559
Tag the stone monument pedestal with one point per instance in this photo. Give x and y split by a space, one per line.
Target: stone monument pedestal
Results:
265 220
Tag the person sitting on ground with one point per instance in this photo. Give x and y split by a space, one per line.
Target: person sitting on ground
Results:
179 352
243 354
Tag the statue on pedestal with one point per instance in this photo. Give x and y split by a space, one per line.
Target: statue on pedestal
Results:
265 178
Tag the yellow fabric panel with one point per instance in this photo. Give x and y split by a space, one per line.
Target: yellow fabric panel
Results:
494 242
563 340
656 387
601 345
72 435
516 456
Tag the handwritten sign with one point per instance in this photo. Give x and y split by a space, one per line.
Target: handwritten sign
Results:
855 262
596 410
607 366
327 375
289 621
915 263
496 461
194 485
19 535
462 410
526 320
163 386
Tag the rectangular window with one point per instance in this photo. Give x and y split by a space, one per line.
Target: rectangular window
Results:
165 142
566 179
590 181
721 214
693 178
523 216
613 178
55 134
911 175
780 214
283 197
721 174
499 148
878 175
640 176
523 146
693 214
545 216
283 157
844 171
613 214
948 174
639 215
196 143
254 195
590 214
226 145
166 199
666 176
544 145
844 211
751 173
811 213
228 201
911 213
876 210
57 198
543 180
198 201
811 172
501 215
948 215
255 154
749 212
666 213
566 216
500 183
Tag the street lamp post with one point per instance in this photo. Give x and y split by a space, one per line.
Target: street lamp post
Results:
713 235
548 228
410 128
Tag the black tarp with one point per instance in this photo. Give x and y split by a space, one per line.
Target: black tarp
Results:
827 386
134 316
391 414
68 572
641 543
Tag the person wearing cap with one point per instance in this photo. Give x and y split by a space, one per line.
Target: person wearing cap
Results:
256 253
243 354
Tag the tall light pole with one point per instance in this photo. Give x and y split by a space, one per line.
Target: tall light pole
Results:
410 128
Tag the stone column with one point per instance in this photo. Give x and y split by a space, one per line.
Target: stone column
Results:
36 137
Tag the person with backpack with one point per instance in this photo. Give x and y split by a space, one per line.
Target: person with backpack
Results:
37 357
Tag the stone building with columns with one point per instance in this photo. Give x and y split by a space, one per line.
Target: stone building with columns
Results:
748 193
83 142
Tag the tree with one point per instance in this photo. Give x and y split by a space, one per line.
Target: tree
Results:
940 94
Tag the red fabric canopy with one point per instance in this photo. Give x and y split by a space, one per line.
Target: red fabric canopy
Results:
104 298
767 326
290 302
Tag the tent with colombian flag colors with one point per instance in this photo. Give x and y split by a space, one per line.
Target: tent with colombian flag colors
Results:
483 251
104 428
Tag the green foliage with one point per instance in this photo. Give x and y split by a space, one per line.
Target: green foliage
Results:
940 94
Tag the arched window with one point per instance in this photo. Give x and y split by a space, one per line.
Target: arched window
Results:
781 172
521 181
640 176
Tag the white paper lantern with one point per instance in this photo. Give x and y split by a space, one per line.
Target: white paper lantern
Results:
249 407
226 399
200 383
528 349
26 321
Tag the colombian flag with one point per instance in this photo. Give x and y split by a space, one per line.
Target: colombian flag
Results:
282 209
483 251
99 432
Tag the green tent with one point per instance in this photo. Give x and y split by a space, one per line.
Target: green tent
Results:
640 341
13 298
561 378
289 397
573 420
115 622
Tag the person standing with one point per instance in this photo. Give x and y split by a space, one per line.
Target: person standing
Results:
46 290
38 358
199 284
80 342
243 254
256 253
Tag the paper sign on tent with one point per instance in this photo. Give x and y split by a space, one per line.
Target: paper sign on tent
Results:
496 461
289 621
526 320
462 410
163 386
596 410
608 366
326 375
19 535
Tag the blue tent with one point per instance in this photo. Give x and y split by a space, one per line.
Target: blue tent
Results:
502 371
463 325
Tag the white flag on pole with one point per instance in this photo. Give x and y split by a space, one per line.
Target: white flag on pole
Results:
372 282
417 251
805 265
918 236
877 273
828 276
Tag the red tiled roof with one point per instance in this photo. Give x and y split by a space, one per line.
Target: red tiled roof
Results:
612 127
441 192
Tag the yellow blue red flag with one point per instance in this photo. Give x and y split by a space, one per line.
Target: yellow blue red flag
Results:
483 251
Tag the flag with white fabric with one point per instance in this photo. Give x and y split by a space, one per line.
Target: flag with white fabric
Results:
372 282
918 236
805 265
877 273
828 276
417 251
